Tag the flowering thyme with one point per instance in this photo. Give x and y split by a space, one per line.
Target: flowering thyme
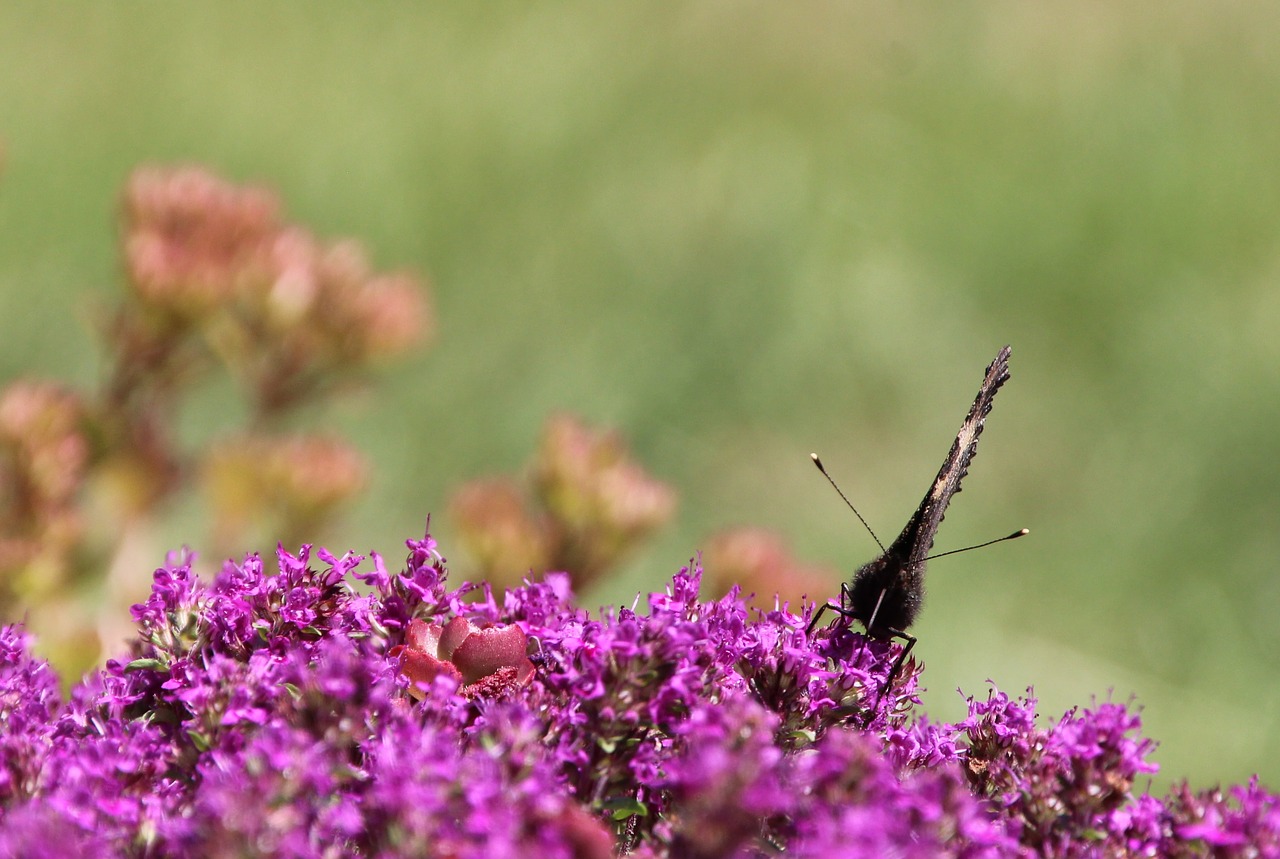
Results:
333 708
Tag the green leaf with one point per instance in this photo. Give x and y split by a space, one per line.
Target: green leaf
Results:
622 807
147 664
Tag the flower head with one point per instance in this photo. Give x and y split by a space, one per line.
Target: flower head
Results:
264 715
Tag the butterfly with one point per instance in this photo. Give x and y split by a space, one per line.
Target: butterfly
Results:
885 594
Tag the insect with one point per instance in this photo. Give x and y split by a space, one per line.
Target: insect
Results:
886 593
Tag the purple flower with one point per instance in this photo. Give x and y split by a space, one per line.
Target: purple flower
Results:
855 803
174 595
266 715
1243 821
28 702
724 772
1057 785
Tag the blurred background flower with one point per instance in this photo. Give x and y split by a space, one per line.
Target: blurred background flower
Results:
218 288
764 566
590 506
736 236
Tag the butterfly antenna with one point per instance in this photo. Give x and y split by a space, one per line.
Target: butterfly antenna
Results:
818 462
1015 535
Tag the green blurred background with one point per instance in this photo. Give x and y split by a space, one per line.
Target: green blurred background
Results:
742 232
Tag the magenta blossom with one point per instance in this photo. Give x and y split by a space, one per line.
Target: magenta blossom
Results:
260 716
485 661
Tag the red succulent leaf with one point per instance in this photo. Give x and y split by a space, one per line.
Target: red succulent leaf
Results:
455 632
486 662
422 668
486 650
423 636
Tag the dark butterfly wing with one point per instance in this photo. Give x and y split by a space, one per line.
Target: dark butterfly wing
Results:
917 537
886 594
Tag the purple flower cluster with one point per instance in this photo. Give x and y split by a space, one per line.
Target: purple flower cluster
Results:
334 709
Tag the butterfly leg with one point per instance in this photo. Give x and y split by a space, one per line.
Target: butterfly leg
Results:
847 613
817 615
808 632
909 642
839 609
846 599
883 632
845 610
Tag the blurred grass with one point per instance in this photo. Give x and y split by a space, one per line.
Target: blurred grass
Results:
744 233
